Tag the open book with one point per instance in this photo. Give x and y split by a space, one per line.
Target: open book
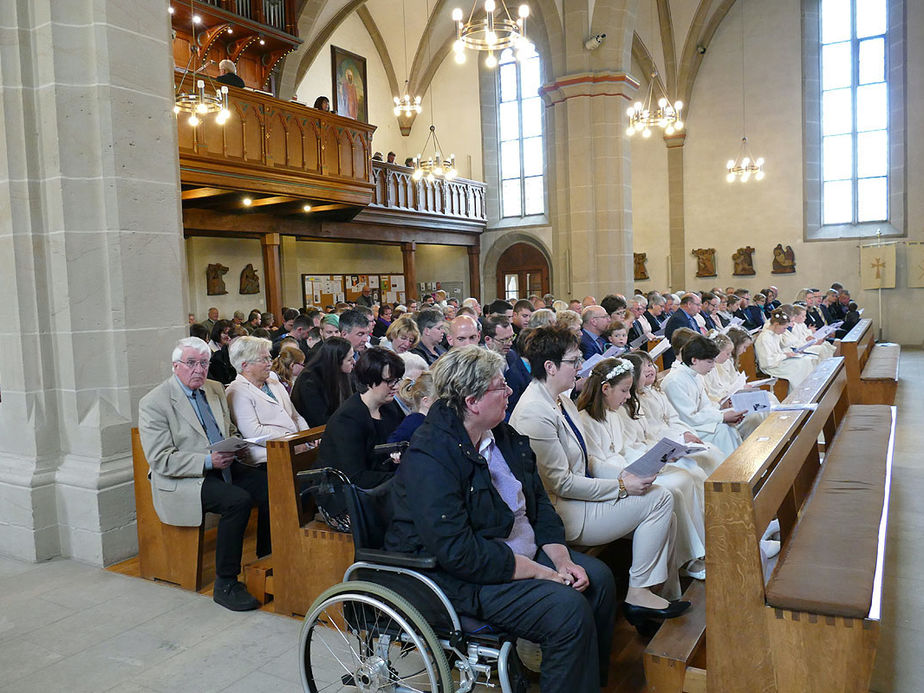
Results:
662 452
589 364
233 444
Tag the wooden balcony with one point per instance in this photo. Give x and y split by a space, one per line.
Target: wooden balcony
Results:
456 205
278 148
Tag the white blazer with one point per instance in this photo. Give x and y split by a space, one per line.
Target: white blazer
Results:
559 456
255 413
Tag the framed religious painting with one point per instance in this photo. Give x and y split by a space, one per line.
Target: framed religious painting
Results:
350 92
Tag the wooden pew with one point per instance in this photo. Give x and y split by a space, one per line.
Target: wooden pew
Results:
872 369
165 552
770 475
748 361
308 556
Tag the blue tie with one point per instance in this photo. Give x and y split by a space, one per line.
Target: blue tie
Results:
577 432
211 427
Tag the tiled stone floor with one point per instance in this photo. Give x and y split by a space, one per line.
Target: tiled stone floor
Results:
65 626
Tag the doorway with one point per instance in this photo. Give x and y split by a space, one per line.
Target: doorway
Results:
522 271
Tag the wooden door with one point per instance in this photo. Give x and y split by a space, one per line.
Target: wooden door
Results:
522 271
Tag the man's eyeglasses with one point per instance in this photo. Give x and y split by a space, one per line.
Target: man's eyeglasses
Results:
192 363
504 340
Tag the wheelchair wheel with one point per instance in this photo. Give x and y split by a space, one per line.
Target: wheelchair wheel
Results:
359 636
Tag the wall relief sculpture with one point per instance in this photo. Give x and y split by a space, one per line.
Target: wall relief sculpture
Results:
641 272
250 282
705 262
784 261
744 263
214 283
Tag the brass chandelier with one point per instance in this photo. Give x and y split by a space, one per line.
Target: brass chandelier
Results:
192 97
406 105
745 166
493 31
434 166
643 116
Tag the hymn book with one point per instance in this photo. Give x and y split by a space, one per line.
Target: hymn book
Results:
662 452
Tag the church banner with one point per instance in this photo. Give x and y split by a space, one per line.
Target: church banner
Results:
877 266
915 257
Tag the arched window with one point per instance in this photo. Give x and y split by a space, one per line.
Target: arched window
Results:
519 127
854 118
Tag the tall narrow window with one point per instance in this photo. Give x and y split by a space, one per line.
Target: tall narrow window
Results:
520 133
854 111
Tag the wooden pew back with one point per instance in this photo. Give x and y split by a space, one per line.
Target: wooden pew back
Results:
769 475
855 347
308 556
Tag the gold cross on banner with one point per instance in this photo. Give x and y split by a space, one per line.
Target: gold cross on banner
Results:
878 265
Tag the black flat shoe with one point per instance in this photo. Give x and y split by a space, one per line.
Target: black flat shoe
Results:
638 614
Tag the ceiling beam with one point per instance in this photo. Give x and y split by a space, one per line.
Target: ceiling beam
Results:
199 193
275 200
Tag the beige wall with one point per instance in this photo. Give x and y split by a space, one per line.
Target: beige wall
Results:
443 263
233 253
727 216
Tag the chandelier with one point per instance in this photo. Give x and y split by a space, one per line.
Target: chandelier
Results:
435 166
745 165
648 114
489 32
192 98
406 105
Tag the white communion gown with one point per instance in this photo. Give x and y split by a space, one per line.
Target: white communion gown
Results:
609 455
799 334
686 392
771 350
722 381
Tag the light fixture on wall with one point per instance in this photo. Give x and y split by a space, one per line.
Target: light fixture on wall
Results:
493 31
648 114
192 97
406 105
744 167
434 166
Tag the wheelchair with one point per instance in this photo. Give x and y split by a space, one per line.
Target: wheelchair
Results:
388 626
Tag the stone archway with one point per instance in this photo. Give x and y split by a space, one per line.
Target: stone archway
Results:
495 254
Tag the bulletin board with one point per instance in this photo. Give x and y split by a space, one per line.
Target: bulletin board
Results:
327 289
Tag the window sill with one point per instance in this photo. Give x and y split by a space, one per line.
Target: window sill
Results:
840 232
519 222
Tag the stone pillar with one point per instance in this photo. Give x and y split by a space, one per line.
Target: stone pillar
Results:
678 251
589 186
409 259
92 266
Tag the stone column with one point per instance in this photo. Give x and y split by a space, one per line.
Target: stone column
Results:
589 186
92 265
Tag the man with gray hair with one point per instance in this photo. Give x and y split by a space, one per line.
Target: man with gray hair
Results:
229 74
178 421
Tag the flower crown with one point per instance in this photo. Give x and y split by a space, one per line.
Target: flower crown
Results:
622 366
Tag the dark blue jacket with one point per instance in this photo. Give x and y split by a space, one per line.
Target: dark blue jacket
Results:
518 378
445 505
591 345
679 319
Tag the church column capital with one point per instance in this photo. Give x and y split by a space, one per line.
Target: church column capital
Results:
589 84
678 139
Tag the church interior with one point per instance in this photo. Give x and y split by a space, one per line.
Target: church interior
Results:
125 214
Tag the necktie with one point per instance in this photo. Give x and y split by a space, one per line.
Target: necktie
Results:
211 427
577 433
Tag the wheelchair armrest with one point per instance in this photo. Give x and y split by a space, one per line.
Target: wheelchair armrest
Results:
399 560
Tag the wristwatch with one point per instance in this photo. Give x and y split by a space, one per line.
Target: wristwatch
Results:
623 492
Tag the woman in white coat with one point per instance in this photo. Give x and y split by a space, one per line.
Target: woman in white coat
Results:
775 358
801 335
259 403
724 380
595 510
608 388
686 392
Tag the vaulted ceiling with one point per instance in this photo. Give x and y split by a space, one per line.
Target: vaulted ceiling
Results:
670 37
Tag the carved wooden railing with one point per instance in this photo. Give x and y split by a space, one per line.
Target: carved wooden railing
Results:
396 189
279 147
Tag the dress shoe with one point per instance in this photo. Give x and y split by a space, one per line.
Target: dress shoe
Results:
639 614
232 594
695 574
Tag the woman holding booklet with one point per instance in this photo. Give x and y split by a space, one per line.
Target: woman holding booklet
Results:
610 386
595 509
800 335
725 379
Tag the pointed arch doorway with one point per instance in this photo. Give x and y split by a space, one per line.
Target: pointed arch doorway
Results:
522 271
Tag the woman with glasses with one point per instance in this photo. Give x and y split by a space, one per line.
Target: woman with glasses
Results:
365 420
596 510
259 403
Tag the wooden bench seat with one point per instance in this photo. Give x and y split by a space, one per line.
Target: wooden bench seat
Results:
879 378
770 475
829 563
